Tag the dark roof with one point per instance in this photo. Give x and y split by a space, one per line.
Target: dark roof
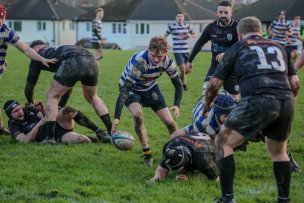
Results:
41 10
267 10
119 10
123 10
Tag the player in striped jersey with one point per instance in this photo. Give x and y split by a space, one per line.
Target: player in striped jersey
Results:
279 29
181 32
8 36
96 39
295 38
210 125
138 87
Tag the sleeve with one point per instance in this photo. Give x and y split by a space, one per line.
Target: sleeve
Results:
226 67
178 90
169 30
31 80
122 97
136 68
204 38
13 38
14 129
171 68
163 164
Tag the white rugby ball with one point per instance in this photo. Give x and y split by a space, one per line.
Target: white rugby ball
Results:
123 140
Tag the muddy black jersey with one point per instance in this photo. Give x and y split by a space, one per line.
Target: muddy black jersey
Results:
222 38
202 150
261 66
30 121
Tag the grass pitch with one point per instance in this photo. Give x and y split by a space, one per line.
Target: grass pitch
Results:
101 173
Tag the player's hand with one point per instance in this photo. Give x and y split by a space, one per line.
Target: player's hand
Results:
174 110
114 125
39 106
219 57
46 62
205 111
181 177
188 67
153 180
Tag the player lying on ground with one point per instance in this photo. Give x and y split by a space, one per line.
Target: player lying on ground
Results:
28 124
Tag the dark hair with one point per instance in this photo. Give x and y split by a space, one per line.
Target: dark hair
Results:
9 107
36 43
225 3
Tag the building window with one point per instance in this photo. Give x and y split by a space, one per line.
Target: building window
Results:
88 27
119 28
114 28
142 29
15 25
41 26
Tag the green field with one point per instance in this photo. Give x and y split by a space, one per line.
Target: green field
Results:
101 173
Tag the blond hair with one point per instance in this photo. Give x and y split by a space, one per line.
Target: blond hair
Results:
99 9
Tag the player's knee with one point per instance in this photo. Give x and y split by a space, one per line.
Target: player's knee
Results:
83 139
138 117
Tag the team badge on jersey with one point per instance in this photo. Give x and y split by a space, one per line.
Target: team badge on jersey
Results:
229 36
155 96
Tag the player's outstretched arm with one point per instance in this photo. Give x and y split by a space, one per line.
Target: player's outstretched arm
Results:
160 174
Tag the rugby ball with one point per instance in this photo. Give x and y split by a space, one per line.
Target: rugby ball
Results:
123 140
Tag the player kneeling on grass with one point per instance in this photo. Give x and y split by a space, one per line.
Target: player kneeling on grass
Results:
189 152
28 124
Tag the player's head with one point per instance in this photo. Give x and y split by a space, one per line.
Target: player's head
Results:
13 110
297 20
249 24
2 11
223 105
282 15
158 49
99 13
224 12
37 45
180 18
177 156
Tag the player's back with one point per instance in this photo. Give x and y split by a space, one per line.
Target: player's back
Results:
262 68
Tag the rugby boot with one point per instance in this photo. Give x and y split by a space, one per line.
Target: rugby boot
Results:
226 200
103 136
295 168
148 160
4 131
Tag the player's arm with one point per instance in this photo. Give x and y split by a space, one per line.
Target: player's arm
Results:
204 38
31 136
160 174
292 76
178 94
31 81
300 61
31 53
122 97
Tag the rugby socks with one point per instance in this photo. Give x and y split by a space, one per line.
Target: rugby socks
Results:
226 166
82 120
282 173
107 121
50 129
147 151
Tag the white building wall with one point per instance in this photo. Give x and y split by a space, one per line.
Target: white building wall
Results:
131 40
67 32
30 31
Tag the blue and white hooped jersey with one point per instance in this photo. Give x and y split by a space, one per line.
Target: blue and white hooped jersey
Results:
180 45
294 35
7 36
143 74
96 24
210 125
280 28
